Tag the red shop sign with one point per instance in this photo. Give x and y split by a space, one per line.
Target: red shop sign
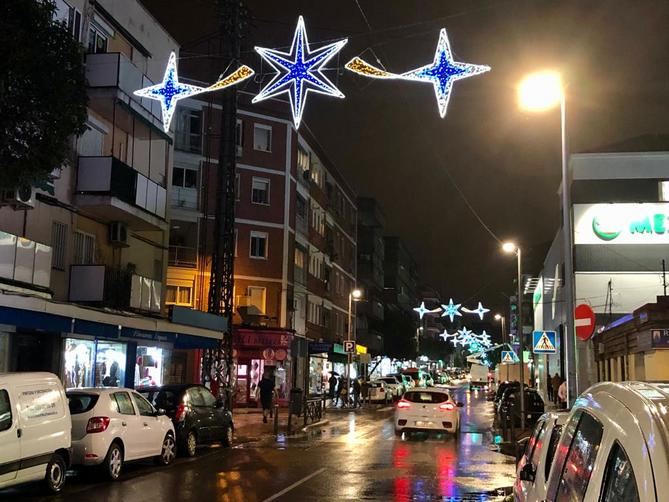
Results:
245 339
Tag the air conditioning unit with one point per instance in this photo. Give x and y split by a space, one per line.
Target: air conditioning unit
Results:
118 234
20 198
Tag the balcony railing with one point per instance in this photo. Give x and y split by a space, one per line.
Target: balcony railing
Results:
115 288
182 256
111 177
184 197
24 261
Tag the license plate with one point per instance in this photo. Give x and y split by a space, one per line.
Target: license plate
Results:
420 423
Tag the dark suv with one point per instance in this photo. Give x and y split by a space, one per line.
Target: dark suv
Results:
199 418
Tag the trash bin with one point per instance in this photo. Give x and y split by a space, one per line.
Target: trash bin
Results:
296 402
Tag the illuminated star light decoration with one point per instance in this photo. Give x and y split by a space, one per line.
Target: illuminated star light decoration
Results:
445 335
480 310
451 310
441 73
299 71
170 90
422 310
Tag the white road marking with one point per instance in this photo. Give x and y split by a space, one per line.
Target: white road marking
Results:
294 485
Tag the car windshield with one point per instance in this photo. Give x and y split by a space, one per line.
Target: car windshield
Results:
426 397
81 403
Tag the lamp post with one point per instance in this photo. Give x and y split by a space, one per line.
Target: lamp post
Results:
510 247
502 320
353 296
540 92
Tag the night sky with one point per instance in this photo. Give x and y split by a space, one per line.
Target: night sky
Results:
388 139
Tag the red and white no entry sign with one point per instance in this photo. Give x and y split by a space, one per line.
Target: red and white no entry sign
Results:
584 321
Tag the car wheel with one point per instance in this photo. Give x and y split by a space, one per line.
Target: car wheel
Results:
167 453
55 473
189 446
113 463
228 436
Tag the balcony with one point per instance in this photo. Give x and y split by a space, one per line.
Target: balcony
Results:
115 288
184 198
113 75
23 262
182 256
114 191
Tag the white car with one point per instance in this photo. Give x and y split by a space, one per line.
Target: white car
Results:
534 466
393 386
615 446
35 430
113 425
427 409
378 391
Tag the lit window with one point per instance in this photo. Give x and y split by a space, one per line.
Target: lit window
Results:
260 191
262 137
258 245
257 297
179 295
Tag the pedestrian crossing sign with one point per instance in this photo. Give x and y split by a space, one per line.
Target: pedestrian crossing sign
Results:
508 357
544 342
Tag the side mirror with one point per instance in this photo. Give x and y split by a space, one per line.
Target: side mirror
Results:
459 404
160 412
527 473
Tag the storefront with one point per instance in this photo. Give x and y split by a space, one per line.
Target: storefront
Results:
260 351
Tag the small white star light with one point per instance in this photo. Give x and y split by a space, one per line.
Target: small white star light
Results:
445 335
170 90
480 310
441 73
422 310
299 71
451 310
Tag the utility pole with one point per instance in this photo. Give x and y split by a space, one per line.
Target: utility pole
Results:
664 277
221 282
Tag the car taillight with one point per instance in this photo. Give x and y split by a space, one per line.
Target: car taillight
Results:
403 404
180 415
447 407
97 424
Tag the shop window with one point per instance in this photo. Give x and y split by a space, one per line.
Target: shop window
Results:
5 411
151 365
260 191
258 245
184 177
144 407
110 359
123 403
258 297
179 295
84 248
78 363
262 137
58 244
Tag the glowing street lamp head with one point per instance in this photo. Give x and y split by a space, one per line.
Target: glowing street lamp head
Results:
498 317
540 91
509 247
356 294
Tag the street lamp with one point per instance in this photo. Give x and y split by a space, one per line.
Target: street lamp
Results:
539 92
353 296
510 248
502 320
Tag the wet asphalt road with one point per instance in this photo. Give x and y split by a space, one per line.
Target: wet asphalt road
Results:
355 457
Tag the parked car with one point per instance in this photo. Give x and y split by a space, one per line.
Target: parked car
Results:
509 405
427 410
377 391
615 445
406 380
113 425
198 417
393 386
35 430
534 465
501 387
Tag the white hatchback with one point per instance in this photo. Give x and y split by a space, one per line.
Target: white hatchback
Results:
111 426
427 409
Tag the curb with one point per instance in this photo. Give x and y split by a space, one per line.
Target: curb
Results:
315 424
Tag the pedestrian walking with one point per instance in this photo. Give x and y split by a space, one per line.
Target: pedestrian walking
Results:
553 387
340 387
356 392
333 387
562 394
267 390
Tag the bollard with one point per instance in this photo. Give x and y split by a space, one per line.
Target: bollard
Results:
276 419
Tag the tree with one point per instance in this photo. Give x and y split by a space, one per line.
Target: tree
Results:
42 92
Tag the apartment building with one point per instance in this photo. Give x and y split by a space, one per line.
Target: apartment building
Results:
83 257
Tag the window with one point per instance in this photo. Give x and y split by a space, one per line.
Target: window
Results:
258 245
302 161
316 265
301 206
239 136
194 397
97 40
5 411
144 407
207 397
619 480
257 297
59 244
300 257
314 314
534 446
262 137
123 403
552 446
317 219
84 248
580 460
70 17
426 397
179 295
81 403
184 177
189 131
260 191
236 235
238 180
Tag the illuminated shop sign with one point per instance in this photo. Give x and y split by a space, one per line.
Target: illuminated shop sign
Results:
621 223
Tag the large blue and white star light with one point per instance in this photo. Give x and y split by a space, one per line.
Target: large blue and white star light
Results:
299 71
443 72
451 310
480 310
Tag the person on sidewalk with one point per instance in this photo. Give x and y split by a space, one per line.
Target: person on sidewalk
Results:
553 387
356 392
333 386
562 395
266 387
